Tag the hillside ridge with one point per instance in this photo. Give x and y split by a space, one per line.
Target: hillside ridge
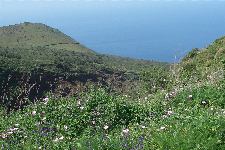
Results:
28 35
37 59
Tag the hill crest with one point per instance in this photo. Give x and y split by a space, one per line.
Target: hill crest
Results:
27 35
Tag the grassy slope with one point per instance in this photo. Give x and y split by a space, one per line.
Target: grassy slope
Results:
204 64
187 118
27 35
131 65
35 54
34 42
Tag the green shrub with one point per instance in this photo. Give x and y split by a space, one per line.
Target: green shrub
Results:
71 119
155 79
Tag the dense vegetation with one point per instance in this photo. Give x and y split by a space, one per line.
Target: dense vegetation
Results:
126 104
204 64
30 69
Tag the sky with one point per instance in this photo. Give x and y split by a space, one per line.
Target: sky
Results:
147 29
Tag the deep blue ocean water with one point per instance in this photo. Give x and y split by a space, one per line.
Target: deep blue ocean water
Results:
153 30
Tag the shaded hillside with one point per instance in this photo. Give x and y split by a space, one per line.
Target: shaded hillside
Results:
35 61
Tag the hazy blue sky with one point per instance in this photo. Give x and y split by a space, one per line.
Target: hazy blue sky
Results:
143 29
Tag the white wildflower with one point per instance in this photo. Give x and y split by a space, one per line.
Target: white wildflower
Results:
46 100
169 113
16 125
105 127
125 131
9 133
13 129
56 140
78 103
3 136
98 113
167 96
65 127
204 102
143 127
164 116
162 128
93 122
223 112
190 96
33 113
61 138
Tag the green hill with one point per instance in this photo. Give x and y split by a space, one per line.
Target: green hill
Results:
41 59
204 64
37 43
28 35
